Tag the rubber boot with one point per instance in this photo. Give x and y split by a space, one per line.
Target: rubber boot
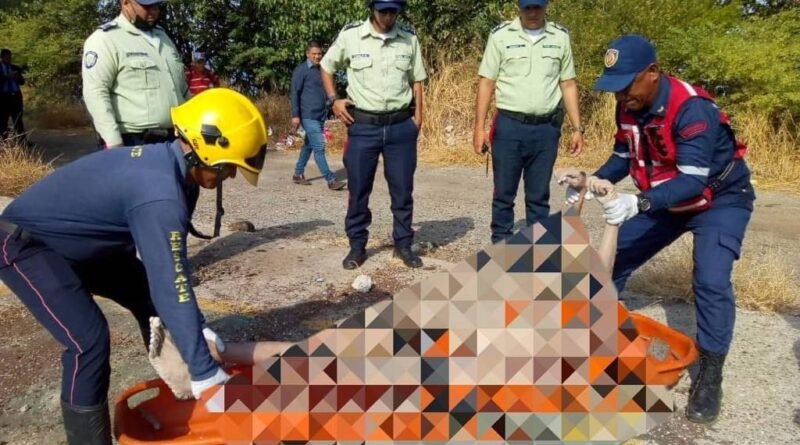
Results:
87 425
705 395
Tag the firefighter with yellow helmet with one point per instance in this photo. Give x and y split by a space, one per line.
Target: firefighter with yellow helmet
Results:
76 234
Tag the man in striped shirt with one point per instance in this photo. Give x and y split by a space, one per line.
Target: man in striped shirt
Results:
198 76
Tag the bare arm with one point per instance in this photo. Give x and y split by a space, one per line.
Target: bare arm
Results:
485 91
340 105
419 100
569 89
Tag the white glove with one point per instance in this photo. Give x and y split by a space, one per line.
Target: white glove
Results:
215 344
619 210
199 387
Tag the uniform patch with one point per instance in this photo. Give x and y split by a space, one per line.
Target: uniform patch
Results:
500 26
136 152
90 59
612 56
352 25
360 56
552 46
136 54
517 45
408 28
560 28
693 129
107 26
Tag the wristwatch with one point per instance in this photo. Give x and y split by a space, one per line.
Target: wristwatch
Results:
580 129
643 203
329 102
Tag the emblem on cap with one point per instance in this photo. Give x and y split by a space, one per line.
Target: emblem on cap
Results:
612 55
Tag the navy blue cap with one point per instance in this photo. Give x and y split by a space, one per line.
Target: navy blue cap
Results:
149 2
626 57
526 3
380 6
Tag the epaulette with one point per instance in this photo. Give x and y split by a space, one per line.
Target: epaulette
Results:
407 27
560 28
108 25
352 25
500 26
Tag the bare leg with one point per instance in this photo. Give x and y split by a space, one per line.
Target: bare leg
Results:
604 191
250 353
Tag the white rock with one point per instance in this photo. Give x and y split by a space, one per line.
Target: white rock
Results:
362 283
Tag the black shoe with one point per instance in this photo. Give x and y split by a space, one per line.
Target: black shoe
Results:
86 425
354 258
410 259
705 395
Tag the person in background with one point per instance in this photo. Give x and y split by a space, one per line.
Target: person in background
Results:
198 76
11 96
309 109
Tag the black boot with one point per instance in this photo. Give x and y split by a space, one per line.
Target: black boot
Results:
354 258
705 395
410 259
87 425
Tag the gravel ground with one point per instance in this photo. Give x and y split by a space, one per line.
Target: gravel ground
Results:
284 281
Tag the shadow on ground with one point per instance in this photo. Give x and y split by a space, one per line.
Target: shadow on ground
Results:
240 242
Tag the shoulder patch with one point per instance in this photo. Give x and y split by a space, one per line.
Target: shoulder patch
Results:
500 26
407 27
560 28
352 25
108 25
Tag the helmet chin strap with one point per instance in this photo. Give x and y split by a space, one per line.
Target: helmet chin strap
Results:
192 160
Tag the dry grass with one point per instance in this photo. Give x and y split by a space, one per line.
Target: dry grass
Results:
60 116
774 153
277 111
19 168
762 279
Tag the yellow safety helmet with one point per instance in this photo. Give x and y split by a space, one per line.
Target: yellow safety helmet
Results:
224 127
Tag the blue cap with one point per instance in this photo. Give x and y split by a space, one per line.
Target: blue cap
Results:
526 3
626 57
149 2
380 6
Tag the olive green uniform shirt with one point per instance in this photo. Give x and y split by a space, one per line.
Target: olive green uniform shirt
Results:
527 75
130 80
380 72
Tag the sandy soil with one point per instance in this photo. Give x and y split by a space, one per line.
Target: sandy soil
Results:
284 281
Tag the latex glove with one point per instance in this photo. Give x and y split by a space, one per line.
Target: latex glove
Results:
621 209
199 387
215 344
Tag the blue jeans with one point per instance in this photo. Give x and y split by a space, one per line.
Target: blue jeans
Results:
521 151
315 141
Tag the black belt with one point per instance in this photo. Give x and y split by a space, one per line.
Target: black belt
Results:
531 119
156 134
370 117
11 228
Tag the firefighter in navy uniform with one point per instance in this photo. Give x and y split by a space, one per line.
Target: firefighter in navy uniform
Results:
76 233
683 156
385 73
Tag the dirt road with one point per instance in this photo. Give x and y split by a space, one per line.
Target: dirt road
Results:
285 281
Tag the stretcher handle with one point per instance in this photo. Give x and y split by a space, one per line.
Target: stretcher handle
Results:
676 342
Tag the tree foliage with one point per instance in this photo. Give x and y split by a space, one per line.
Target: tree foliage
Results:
745 50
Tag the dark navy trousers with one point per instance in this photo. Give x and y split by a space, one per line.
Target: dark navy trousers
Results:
526 151
397 143
718 234
59 295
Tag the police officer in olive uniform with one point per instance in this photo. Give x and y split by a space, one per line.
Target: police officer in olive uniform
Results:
132 76
528 63
384 114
